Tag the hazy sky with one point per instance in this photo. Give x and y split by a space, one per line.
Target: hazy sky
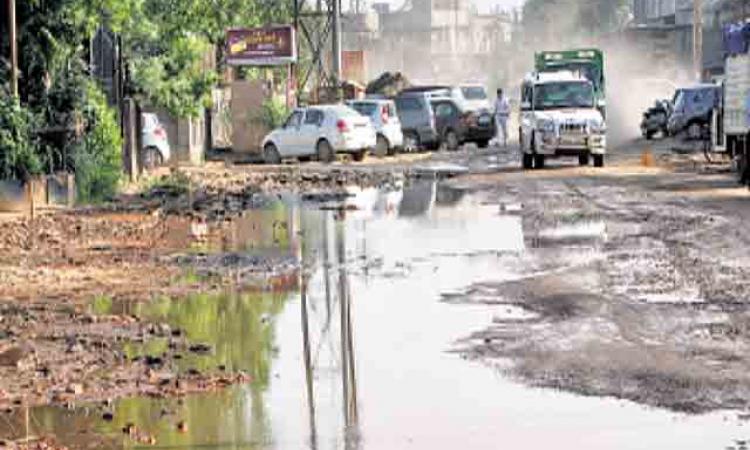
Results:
483 5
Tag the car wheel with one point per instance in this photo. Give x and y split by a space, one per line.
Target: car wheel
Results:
538 160
359 156
382 148
152 158
411 141
451 141
528 161
325 152
742 167
694 131
271 154
583 160
598 160
484 143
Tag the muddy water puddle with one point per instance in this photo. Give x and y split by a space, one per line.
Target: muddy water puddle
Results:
354 352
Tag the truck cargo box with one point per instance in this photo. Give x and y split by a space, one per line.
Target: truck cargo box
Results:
736 91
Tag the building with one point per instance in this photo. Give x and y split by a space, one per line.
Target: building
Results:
429 40
665 28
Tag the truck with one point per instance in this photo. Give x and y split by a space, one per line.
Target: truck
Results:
736 104
589 62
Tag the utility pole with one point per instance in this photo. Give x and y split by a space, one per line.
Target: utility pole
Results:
13 48
336 38
698 38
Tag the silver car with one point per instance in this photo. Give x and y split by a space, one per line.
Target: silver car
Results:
156 150
382 115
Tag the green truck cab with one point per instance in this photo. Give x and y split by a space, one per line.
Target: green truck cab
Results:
589 62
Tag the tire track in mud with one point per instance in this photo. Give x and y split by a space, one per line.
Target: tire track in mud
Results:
624 324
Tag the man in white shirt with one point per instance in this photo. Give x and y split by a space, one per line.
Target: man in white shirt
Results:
502 114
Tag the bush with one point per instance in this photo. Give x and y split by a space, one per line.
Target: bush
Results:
272 114
18 147
98 156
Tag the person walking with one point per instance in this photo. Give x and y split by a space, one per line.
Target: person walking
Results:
502 114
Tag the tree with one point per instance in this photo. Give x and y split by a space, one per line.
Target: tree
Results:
169 43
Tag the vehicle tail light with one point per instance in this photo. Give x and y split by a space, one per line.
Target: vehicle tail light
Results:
384 114
342 126
160 133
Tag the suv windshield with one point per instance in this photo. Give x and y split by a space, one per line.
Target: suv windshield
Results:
474 93
565 94
366 109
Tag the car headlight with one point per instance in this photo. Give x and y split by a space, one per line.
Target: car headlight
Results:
597 127
546 125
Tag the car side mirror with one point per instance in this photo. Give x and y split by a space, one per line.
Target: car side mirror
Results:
601 103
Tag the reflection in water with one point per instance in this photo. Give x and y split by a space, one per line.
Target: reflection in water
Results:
346 358
381 274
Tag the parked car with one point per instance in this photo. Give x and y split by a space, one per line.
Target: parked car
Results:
383 116
655 119
156 150
320 131
472 97
693 108
456 125
417 119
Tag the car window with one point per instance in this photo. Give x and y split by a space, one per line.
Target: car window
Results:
366 109
564 94
474 93
314 117
149 120
408 104
391 109
444 110
345 111
294 120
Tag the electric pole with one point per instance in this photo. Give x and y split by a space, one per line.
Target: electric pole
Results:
13 48
336 38
698 38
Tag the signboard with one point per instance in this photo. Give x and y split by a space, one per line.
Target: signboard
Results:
270 46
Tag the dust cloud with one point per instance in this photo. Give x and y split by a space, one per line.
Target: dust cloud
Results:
636 76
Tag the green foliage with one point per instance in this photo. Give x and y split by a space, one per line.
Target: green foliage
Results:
18 148
173 45
272 113
174 184
97 157
101 305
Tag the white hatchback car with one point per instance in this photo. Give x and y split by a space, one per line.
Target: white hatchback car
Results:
383 116
156 150
320 131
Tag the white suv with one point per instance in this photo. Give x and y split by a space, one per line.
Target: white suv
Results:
559 118
382 115
320 131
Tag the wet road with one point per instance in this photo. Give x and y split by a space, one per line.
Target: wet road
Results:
368 348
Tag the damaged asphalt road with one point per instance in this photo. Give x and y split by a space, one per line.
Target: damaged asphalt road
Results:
635 284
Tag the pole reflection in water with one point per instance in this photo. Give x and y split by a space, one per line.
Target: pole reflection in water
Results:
308 363
344 354
348 374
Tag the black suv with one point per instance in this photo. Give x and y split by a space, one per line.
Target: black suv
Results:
454 126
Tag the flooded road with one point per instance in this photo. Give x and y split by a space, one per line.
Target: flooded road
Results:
357 351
